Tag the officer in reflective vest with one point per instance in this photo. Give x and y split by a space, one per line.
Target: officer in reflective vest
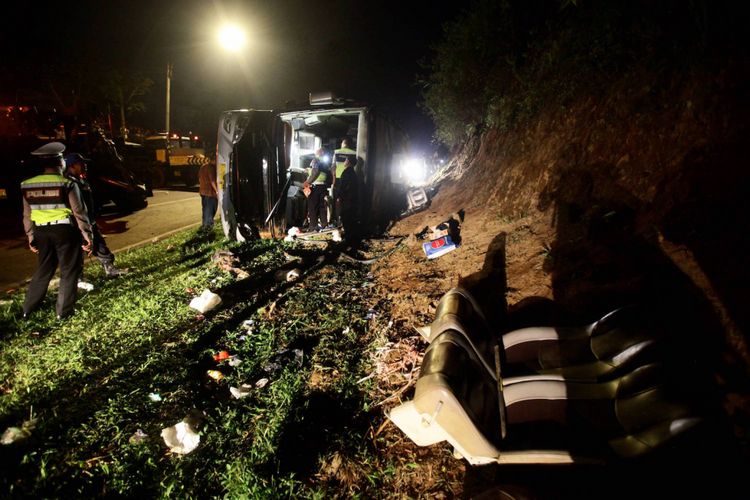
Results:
317 179
56 222
340 157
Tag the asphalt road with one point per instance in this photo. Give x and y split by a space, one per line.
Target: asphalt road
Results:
167 213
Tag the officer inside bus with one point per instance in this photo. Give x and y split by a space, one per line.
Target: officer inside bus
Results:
340 156
316 186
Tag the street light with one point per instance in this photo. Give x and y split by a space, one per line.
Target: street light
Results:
232 37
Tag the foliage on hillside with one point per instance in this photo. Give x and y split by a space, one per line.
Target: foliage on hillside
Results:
501 62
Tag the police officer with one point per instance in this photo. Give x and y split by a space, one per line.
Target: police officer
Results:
75 170
316 182
55 220
349 204
340 156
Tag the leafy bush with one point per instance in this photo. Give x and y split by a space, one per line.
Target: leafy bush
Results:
501 62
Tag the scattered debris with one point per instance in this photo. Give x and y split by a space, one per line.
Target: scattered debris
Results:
292 234
293 275
234 361
242 391
205 301
283 357
155 397
139 437
15 434
249 325
215 374
261 383
438 247
336 236
227 261
86 286
181 438
288 276
221 356
416 199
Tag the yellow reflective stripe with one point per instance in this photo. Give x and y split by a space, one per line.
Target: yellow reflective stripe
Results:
340 164
46 180
321 178
51 215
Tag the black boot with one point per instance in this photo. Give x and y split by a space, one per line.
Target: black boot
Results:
111 271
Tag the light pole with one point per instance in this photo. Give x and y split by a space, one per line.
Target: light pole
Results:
166 126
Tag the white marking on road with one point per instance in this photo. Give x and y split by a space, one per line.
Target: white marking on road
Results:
170 202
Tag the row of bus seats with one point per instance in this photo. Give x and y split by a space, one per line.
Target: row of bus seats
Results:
545 394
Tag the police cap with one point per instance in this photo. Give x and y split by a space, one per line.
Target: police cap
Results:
73 158
50 150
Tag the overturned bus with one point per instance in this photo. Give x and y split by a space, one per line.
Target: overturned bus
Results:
262 158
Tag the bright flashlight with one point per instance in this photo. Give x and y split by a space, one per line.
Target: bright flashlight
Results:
414 170
232 38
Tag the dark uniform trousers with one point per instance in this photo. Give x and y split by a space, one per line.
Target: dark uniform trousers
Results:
99 248
316 205
57 244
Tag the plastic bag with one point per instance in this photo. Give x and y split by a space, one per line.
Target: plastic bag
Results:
181 438
205 301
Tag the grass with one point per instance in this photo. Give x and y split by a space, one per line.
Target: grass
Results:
87 380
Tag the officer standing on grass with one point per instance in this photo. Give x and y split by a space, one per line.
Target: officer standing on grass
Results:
55 221
75 170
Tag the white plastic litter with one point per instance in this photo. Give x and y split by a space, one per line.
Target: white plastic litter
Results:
84 285
181 438
234 361
260 384
205 301
292 233
138 437
293 275
155 397
336 235
15 434
241 391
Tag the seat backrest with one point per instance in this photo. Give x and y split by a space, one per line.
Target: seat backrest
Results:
607 348
632 414
459 312
455 400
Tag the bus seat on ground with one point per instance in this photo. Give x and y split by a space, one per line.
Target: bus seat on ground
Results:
456 400
617 342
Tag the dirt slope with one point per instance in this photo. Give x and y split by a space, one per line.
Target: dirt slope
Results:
636 194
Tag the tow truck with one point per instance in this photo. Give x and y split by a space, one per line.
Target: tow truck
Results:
177 159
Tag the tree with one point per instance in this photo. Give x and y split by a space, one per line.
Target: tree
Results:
124 90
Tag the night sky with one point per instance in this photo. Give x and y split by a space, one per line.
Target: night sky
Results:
366 50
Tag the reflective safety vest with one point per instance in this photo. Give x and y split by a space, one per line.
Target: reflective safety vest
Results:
340 156
322 174
47 195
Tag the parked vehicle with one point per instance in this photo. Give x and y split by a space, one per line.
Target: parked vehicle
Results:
25 128
110 178
262 156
